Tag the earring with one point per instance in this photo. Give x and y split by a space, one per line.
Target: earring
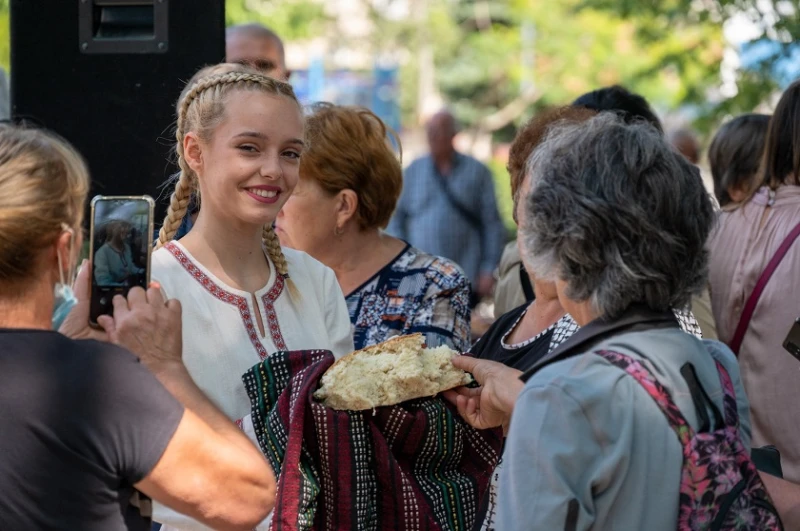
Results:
338 231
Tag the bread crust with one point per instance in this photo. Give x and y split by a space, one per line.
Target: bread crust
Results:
395 371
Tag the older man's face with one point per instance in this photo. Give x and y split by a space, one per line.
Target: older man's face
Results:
258 52
441 132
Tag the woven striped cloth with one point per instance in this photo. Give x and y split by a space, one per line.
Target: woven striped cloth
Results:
415 466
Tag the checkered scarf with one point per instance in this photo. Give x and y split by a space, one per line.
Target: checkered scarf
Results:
415 466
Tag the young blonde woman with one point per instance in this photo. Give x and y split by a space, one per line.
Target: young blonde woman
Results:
239 143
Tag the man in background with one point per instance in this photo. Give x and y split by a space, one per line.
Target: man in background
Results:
448 208
257 46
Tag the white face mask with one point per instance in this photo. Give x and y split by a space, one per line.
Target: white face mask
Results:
64 296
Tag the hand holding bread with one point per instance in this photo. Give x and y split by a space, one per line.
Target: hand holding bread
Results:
491 404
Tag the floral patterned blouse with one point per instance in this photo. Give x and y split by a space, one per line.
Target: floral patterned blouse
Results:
415 292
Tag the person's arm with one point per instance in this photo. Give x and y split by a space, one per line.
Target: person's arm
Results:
444 314
337 317
548 464
212 477
209 470
786 498
493 234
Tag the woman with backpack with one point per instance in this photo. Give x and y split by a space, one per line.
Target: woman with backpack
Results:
631 423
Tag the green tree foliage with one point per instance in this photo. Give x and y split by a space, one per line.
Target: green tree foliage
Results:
775 20
493 56
291 19
481 54
5 36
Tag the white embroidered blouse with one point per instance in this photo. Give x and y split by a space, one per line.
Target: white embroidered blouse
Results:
221 340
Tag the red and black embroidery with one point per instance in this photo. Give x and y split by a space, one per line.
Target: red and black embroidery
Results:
239 301
272 316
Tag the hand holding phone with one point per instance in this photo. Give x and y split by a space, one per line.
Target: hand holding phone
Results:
121 244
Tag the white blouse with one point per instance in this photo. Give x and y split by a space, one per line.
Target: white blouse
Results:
221 340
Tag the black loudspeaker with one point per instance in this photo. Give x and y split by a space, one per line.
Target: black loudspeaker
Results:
105 74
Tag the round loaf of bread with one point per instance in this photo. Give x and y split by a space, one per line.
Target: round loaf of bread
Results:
389 373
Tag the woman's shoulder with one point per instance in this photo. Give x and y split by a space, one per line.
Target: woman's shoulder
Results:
724 355
303 264
164 263
171 267
592 376
103 250
310 275
162 254
492 340
440 271
503 324
79 352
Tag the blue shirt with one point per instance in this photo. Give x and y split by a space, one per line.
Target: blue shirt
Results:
426 218
113 268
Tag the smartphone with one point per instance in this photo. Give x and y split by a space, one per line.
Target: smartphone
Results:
121 240
792 341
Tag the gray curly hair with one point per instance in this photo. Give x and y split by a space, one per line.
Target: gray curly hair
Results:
617 215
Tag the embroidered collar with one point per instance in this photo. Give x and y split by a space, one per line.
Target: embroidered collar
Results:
637 317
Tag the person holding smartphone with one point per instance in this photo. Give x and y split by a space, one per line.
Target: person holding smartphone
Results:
240 136
86 426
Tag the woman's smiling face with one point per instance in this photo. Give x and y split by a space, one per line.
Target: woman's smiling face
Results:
250 165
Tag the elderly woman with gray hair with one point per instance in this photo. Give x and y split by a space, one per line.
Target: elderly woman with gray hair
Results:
619 222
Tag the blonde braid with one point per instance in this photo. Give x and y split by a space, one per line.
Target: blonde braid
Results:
179 202
217 80
273 246
178 205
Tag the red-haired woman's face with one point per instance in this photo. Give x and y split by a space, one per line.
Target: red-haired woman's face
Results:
307 221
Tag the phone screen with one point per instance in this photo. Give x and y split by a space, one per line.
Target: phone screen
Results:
121 244
792 341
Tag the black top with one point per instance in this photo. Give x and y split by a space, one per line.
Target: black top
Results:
82 421
490 346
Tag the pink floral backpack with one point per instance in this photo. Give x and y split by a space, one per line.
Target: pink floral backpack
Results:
720 487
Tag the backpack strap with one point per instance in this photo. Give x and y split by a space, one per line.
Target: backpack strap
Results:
729 398
657 392
701 400
473 219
